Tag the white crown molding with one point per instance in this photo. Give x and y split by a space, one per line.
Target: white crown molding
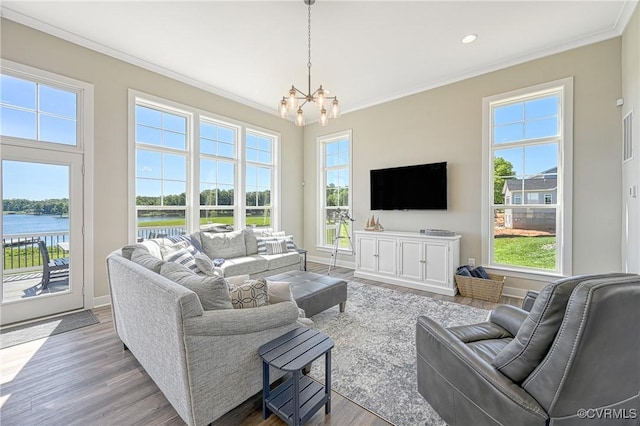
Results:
36 24
625 15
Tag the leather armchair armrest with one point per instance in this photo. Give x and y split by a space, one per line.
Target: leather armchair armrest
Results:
508 317
226 322
480 384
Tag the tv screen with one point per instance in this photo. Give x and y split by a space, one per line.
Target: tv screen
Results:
419 187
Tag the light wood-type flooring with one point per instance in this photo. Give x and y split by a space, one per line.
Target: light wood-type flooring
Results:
84 377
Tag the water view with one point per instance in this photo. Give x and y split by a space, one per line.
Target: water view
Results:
29 224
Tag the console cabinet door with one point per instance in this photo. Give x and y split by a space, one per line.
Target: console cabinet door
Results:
366 253
411 259
437 263
386 256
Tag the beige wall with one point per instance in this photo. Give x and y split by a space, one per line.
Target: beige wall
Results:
111 79
445 124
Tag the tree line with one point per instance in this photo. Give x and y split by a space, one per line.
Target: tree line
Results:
54 206
208 197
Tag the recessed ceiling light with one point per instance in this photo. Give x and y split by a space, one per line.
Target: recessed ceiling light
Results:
469 38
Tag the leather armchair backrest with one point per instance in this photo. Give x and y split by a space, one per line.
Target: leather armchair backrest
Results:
595 359
532 342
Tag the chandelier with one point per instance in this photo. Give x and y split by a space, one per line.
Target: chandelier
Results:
297 98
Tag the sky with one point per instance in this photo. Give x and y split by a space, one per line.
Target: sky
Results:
34 181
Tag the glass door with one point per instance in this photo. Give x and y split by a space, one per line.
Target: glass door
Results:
42 256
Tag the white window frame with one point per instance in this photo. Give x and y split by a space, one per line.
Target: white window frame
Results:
275 174
564 87
321 142
193 162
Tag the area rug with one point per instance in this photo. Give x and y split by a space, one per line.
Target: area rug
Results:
45 328
374 357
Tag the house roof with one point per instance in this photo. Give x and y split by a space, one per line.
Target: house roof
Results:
532 184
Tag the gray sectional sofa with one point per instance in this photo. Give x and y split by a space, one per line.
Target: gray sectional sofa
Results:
239 250
205 362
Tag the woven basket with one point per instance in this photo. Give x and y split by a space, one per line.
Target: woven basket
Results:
480 288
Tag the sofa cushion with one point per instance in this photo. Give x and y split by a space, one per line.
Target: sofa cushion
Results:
142 257
212 291
534 338
251 294
225 245
250 241
279 291
189 239
245 265
277 261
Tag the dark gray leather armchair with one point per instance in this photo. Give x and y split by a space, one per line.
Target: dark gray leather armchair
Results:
578 349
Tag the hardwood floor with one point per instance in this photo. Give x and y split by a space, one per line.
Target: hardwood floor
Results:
84 377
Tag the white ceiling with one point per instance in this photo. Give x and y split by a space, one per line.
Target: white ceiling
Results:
365 52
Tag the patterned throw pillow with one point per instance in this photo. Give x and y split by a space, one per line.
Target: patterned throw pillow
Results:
277 247
251 294
184 257
288 239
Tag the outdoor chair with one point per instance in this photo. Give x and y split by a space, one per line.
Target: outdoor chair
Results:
56 268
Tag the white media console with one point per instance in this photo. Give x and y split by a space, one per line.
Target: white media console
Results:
409 259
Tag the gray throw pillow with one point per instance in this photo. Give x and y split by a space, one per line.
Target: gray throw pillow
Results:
212 291
142 257
204 264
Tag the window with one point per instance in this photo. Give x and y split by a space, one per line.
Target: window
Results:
37 111
259 179
548 198
161 170
218 167
189 165
335 190
528 145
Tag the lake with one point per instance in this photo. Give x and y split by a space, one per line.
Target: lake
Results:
29 224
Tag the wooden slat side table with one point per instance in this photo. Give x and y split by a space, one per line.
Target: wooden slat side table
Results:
297 399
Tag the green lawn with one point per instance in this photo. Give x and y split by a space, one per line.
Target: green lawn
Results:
532 252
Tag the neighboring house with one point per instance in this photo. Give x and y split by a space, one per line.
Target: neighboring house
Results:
539 189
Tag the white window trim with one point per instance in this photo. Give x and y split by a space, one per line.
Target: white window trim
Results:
320 142
84 146
193 160
564 229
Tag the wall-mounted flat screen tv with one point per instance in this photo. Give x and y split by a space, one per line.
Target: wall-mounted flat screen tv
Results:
419 187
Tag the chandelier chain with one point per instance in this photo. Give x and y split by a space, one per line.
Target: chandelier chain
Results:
309 32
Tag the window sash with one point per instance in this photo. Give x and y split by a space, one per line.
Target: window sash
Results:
562 203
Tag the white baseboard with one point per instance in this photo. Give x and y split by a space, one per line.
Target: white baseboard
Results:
515 292
325 261
101 301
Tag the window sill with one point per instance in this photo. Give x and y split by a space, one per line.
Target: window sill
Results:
540 276
330 249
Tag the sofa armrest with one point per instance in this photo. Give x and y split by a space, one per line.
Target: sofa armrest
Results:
445 360
226 322
508 317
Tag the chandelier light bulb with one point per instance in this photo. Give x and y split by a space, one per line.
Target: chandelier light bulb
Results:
320 98
300 117
335 109
284 111
292 103
324 119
